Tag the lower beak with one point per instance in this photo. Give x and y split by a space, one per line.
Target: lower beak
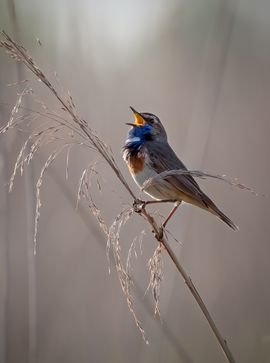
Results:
131 124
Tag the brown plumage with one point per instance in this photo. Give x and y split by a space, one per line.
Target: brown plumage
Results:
150 141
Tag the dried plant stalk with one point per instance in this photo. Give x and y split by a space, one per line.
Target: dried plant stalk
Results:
197 174
82 130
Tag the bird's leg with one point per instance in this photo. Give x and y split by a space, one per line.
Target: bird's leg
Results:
176 205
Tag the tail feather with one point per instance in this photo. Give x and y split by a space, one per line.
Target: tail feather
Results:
226 220
214 209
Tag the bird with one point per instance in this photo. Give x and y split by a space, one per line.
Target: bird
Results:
147 154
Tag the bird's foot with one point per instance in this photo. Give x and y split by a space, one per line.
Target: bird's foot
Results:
138 205
159 234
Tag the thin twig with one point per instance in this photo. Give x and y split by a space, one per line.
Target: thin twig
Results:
158 232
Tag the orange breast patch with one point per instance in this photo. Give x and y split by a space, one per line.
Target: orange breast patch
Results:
136 164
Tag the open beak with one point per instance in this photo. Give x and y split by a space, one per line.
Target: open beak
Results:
139 121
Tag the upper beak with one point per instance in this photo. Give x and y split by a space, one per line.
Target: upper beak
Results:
133 109
139 120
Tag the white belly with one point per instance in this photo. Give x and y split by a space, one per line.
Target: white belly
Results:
158 191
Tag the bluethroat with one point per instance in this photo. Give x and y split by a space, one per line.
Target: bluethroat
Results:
148 153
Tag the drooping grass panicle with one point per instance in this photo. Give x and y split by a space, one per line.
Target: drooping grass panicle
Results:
155 265
48 162
20 54
84 192
113 243
113 239
132 251
14 111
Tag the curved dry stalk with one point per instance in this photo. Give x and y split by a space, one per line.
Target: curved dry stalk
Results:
197 174
20 54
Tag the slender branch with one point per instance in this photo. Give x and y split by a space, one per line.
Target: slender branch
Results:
195 293
20 54
158 232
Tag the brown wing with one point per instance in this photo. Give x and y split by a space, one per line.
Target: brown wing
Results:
163 158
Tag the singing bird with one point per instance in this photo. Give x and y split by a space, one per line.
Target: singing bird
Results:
148 153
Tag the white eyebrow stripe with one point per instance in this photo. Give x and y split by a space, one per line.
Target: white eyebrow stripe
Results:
133 139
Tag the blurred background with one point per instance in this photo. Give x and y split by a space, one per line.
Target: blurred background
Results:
203 66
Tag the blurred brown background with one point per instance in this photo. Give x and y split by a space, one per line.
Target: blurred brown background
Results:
203 66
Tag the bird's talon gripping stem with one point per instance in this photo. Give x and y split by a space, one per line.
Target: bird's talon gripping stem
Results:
138 205
159 234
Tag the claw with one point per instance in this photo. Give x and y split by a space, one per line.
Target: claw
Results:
159 234
138 205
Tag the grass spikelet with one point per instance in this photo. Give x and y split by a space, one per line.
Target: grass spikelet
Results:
48 162
67 161
132 250
155 265
17 165
84 191
14 111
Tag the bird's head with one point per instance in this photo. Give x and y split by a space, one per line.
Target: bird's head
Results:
147 126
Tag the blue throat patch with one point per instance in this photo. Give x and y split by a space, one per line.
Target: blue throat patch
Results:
137 136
